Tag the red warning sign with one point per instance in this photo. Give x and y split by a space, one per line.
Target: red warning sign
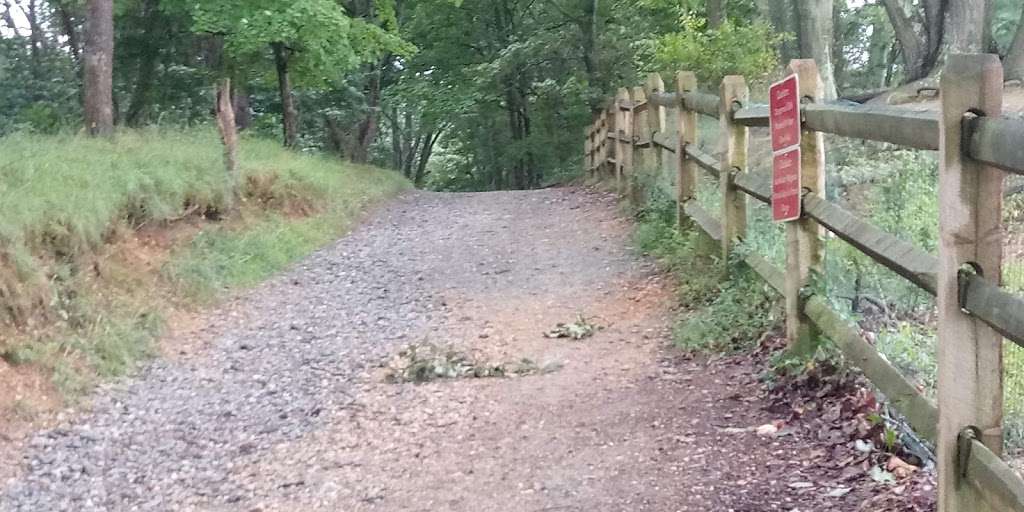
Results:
784 117
784 113
786 185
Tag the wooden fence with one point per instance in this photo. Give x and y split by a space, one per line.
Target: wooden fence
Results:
976 147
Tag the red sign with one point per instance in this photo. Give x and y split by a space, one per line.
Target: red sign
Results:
784 117
784 113
786 185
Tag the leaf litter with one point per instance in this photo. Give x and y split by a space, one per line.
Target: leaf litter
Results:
426 362
577 330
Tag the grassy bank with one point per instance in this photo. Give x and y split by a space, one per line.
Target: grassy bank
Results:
100 240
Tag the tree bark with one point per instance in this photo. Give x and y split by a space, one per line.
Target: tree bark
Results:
424 157
716 13
816 36
1013 65
289 110
148 56
966 27
98 95
368 127
589 30
915 54
229 136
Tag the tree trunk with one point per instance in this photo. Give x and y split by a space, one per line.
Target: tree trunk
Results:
67 23
229 136
425 151
966 27
589 30
915 55
816 36
98 93
36 40
367 130
716 13
289 110
779 13
1013 65
148 55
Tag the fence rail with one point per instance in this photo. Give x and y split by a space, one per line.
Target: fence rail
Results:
975 313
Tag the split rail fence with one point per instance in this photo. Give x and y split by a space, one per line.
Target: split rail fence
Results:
976 147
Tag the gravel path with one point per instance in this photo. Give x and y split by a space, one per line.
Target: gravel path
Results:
285 409
280 364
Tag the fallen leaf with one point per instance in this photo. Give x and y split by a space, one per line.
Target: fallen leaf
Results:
900 468
838 492
801 485
881 476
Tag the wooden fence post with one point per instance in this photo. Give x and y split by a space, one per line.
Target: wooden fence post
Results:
586 150
609 145
686 181
804 254
602 141
641 158
970 358
624 142
656 120
734 203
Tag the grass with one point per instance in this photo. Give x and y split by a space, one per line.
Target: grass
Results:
721 315
74 305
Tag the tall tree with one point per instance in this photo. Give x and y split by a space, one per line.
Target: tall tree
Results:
98 68
816 39
935 28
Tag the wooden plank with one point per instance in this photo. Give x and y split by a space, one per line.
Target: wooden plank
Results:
619 137
733 90
997 141
756 184
700 102
995 481
705 220
804 236
665 141
643 142
702 159
907 260
915 128
665 99
920 412
770 273
970 362
753 116
998 308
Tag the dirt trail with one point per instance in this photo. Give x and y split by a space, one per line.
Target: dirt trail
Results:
286 409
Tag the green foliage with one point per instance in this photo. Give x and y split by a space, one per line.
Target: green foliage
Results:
741 310
63 197
723 315
322 38
36 96
732 49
